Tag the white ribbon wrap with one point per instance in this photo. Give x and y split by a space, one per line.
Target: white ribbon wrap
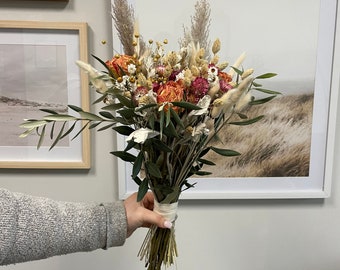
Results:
168 211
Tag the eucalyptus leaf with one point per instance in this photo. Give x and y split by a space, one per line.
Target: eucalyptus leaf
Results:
147 106
127 113
81 130
124 130
202 173
152 169
33 124
161 123
94 125
100 99
57 139
106 127
48 111
206 162
168 118
75 108
261 101
131 144
176 117
247 122
225 152
267 91
186 105
238 71
52 131
204 152
90 116
142 190
113 107
137 165
170 130
42 136
104 64
158 144
69 130
266 76
59 117
137 180
26 133
151 122
125 156
125 101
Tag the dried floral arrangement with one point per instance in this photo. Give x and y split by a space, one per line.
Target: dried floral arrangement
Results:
169 105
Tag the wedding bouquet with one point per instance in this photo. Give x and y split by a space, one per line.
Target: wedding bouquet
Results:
170 105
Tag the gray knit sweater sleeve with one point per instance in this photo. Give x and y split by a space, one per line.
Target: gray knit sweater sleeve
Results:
34 228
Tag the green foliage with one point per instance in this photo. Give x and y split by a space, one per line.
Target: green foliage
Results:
174 143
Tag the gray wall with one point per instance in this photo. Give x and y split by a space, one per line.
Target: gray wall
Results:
224 234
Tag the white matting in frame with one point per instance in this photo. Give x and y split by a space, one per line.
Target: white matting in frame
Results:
318 183
38 70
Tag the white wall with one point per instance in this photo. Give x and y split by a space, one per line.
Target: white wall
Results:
295 234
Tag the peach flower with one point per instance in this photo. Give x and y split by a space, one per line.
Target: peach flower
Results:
118 65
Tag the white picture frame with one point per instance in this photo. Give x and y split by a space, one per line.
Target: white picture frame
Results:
318 183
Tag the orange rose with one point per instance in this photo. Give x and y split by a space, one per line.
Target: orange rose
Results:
170 92
118 65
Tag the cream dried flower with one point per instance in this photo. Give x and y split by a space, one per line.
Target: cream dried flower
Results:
95 77
243 102
187 77
172 58
247 73
222 66
225 103
216 46
215 59
195 71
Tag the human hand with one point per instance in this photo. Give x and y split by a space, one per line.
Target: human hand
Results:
140 214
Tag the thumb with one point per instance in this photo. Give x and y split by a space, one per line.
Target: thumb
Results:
150 217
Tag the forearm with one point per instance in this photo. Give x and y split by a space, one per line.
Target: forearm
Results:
37 228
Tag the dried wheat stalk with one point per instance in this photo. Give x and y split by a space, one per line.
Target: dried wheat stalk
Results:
200 22
124 22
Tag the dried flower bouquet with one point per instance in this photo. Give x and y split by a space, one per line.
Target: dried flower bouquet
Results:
169 105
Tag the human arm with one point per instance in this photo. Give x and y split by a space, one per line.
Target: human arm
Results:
35 228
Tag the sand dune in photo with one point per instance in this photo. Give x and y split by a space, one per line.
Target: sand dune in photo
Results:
278 145
13 111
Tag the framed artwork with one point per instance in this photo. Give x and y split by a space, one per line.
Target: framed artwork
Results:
289 155
38 71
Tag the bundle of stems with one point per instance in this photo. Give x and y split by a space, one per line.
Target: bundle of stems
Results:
159 248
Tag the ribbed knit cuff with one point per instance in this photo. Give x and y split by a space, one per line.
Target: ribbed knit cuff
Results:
116 224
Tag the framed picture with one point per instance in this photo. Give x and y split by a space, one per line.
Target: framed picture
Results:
291 154
38 71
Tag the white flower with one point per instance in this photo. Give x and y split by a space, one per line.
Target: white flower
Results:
131 69
125 84
180 76
141 135
204 103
